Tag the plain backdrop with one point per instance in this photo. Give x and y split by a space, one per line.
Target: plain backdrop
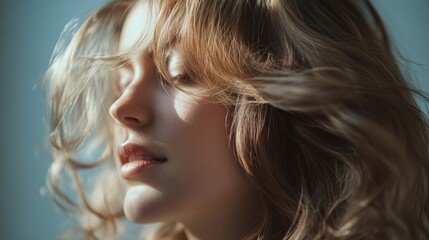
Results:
29 30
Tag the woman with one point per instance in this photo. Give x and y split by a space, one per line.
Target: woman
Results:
241 119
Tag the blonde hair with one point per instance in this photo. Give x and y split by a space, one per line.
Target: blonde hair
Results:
324 124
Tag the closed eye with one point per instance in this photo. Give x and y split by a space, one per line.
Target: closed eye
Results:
182 79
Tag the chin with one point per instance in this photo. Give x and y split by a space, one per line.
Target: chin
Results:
144 204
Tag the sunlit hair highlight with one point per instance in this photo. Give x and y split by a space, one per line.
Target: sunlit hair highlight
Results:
323 122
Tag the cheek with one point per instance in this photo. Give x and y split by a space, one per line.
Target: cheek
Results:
203 156
202 126
188 109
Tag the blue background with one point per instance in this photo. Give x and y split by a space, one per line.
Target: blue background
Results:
28 32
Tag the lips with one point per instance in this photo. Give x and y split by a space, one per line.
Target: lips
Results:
136 158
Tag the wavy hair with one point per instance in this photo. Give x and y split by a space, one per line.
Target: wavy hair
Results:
324 124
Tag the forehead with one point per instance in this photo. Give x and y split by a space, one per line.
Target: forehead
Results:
138 26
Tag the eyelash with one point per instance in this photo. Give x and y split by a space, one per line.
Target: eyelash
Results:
182 78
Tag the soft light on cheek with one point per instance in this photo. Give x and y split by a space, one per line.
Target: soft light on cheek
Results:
120 134
185 107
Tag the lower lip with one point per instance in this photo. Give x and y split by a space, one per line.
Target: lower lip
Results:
131 169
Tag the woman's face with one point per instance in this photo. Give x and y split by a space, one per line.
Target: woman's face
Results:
175 154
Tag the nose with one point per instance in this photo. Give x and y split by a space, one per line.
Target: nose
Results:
133 108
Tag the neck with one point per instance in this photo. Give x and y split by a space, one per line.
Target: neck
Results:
229 223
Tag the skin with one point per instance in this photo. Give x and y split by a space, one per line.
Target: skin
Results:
201 185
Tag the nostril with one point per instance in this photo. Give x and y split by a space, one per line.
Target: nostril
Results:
131 119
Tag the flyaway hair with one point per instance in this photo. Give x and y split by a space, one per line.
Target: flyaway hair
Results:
323 122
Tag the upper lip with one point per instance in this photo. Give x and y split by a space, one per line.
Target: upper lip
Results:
131 150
